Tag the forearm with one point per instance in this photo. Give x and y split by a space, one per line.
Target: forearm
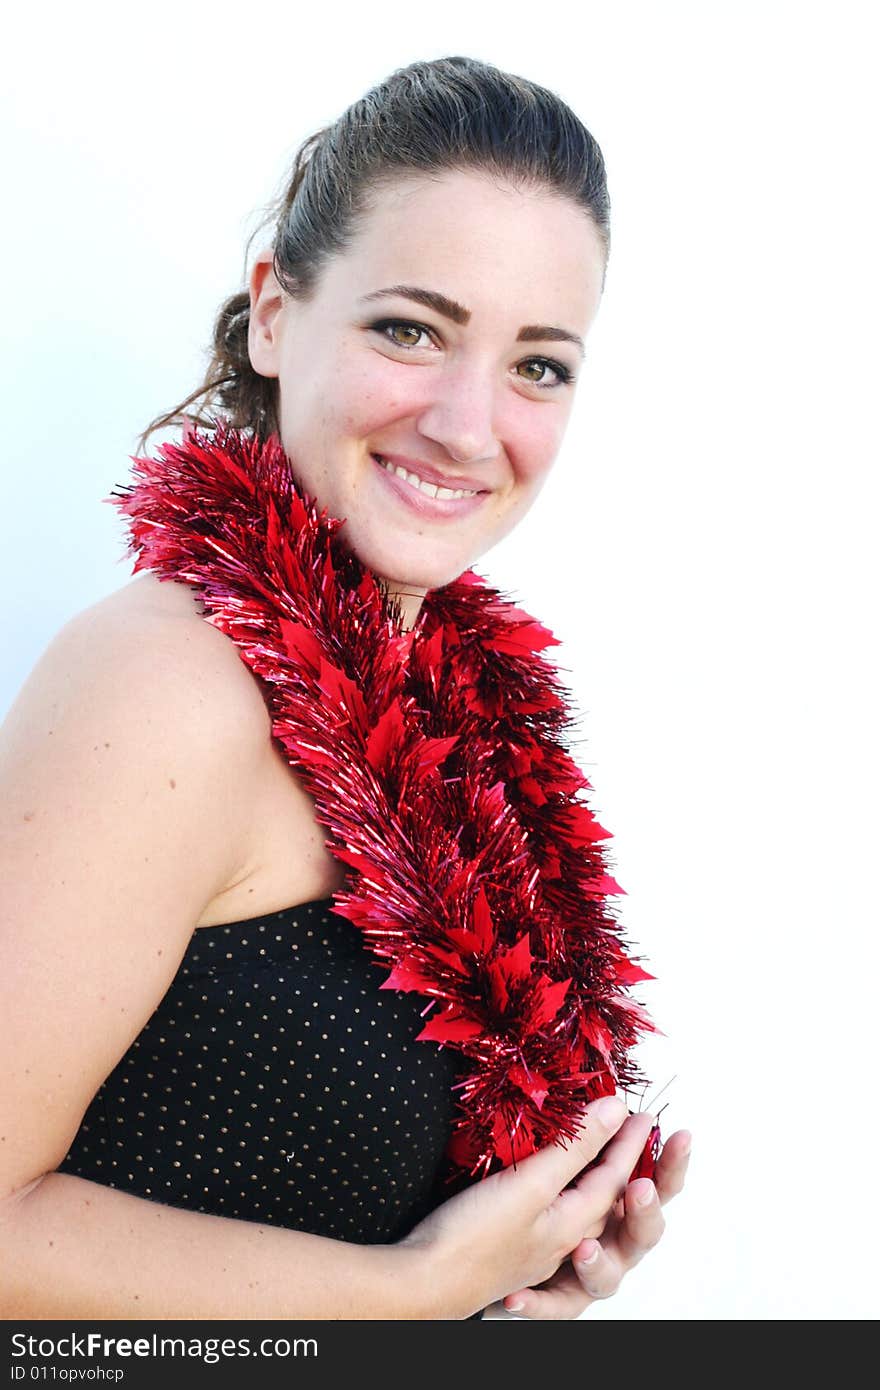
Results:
73 1249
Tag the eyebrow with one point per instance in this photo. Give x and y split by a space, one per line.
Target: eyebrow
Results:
441 304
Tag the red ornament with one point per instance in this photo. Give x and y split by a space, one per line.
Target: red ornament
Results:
647 1163
438 763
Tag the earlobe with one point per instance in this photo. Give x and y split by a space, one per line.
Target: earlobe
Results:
267 301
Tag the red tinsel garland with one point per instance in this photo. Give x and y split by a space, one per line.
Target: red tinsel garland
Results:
436 761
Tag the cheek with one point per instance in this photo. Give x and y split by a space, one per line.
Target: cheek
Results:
366 393
329 394
535 445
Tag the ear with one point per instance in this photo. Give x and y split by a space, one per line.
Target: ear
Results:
266 318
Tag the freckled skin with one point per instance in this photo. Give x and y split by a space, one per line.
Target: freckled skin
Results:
466 398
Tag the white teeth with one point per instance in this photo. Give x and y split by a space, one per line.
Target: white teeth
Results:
430 488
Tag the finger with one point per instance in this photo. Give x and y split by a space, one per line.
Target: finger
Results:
594 1228
561 1296
669 1172
642 1226
606 1180
597 1269
549 1170
672 1165
586 1206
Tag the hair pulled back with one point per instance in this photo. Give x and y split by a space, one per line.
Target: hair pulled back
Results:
452 113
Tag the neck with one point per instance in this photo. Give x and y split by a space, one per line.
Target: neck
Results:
407 600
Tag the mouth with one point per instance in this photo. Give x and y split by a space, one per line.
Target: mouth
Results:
426 498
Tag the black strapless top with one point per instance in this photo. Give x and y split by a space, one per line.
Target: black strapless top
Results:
276 1082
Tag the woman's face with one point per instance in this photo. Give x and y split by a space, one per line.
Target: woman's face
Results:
449 376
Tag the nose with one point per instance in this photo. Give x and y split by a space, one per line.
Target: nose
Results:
461 416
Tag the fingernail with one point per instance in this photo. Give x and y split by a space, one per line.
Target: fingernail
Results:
590 1259
515 1306
644 1196
609 1110
686 1148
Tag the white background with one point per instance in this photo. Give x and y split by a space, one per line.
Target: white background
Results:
705 548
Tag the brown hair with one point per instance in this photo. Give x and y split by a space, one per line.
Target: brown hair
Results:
444 114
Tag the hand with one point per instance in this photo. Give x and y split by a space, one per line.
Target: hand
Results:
630 1230
513 1229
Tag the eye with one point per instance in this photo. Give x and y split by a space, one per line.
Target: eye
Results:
563 376
388 326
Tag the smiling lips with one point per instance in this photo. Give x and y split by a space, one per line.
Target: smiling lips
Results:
428 498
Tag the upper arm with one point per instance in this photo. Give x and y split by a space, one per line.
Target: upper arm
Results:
128 768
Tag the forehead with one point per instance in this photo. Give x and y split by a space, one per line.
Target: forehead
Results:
480 240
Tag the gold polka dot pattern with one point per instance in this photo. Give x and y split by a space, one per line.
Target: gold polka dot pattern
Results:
276 1082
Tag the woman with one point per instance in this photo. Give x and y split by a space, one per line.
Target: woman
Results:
438 258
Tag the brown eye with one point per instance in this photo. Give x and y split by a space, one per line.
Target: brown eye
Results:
403 328
536 366
396 330
563 376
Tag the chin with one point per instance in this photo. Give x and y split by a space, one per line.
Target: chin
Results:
422 578
414 566
420 582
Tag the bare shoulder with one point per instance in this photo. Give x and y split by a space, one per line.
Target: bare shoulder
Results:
170 616
129 773
144 664
282 854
